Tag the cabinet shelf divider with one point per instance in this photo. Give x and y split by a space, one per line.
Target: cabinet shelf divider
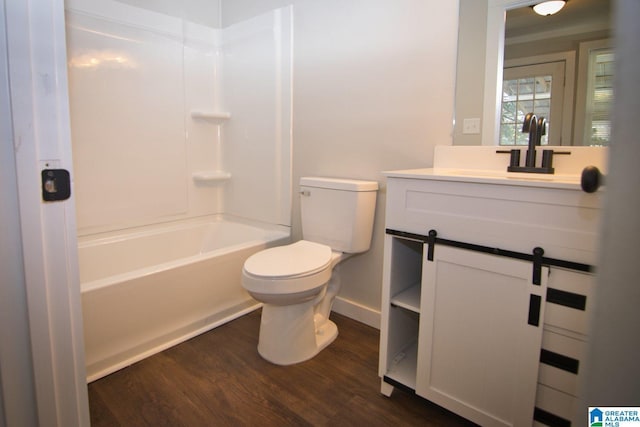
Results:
408 299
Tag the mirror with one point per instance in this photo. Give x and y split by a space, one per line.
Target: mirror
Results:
506 34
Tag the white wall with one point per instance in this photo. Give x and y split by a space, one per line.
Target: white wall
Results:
373 91
198 11
470 68
238 11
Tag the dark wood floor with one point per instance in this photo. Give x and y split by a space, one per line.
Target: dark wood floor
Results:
218 378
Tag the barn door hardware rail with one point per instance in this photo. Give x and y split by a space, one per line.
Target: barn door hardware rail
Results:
536 257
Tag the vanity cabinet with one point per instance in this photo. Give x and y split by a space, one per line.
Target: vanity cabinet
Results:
474 317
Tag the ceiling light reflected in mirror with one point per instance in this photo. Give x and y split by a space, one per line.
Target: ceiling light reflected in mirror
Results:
547 8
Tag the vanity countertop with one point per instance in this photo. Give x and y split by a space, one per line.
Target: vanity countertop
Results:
488 165
570 182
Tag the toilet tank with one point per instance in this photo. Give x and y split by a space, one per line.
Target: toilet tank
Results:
338 212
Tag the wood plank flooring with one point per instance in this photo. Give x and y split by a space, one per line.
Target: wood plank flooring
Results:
218 379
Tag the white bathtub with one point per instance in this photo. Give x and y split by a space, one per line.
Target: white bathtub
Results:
148 289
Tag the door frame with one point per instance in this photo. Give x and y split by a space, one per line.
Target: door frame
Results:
567 108
35 60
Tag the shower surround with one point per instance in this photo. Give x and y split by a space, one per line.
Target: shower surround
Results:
180 131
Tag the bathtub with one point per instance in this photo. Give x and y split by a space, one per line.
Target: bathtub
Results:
147 289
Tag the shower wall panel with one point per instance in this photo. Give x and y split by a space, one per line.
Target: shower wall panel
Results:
135 76
257 140
126 100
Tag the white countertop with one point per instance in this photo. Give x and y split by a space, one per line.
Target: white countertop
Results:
570 182
484 164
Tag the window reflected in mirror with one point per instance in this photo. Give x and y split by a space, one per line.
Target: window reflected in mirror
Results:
599 97
527 89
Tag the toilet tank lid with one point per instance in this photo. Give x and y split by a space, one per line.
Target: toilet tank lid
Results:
339 183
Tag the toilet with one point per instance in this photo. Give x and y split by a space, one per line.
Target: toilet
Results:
295 282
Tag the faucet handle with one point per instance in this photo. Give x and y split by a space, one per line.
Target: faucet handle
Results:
547 160
514 159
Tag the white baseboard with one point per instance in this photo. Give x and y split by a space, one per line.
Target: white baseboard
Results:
357 311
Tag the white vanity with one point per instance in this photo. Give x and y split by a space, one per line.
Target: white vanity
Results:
487 284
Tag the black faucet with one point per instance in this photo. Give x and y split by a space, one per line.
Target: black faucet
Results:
536 127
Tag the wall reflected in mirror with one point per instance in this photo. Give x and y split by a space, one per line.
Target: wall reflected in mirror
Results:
559 67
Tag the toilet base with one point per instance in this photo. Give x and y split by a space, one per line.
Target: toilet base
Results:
288 334
326 334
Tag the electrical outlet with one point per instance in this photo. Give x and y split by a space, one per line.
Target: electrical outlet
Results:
471 126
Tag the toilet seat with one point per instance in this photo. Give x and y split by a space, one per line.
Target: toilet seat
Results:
294 268
297 259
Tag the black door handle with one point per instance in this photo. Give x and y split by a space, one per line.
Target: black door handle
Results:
591 179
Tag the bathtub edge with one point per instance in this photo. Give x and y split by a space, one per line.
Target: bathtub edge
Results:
212 323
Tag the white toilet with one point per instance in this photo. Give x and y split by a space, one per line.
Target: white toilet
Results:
295 283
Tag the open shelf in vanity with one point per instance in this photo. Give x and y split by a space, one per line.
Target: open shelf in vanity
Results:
404 261
409 299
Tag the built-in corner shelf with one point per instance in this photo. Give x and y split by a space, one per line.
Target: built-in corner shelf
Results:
409 299
211 176
211 115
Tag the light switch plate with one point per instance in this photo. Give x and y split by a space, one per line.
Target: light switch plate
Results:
471 126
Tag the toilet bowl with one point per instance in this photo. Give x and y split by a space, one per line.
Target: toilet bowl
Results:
298 283
288 274
291 281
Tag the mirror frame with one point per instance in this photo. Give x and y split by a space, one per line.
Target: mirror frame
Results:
494 63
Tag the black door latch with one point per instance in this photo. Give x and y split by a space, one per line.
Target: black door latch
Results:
56 185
